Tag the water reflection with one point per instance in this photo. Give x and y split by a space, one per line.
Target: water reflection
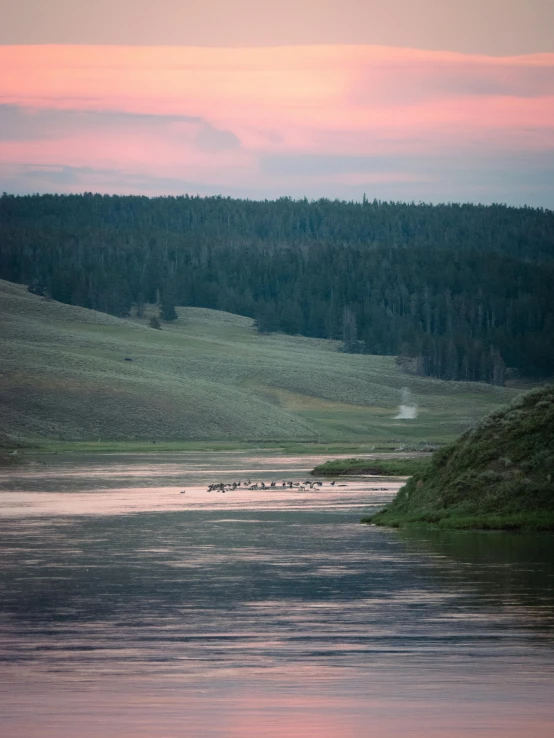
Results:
134 611
511 575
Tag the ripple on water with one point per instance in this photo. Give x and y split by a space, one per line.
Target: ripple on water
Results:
131 610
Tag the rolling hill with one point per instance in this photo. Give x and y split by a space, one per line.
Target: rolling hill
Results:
72 374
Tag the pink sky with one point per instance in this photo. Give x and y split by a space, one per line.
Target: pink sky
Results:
329 120
493 27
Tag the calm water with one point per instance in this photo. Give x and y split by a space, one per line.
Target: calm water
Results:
128 609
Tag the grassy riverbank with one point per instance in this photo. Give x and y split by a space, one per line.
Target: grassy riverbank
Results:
498 476
529 522
393 467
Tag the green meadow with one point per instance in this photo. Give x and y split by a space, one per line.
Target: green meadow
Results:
72 377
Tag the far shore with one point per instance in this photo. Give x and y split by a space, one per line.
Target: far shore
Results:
14 452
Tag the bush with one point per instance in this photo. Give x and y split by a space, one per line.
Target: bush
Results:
154 322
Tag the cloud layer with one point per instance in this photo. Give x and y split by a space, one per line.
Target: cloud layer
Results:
333 121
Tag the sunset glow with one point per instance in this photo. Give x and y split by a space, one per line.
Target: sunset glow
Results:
310 121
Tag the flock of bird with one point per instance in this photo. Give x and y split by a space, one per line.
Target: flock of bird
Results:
301 486
247 484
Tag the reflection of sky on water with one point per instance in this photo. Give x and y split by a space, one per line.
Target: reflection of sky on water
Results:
137 611
166 499
106 470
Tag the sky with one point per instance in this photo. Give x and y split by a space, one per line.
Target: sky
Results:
413 100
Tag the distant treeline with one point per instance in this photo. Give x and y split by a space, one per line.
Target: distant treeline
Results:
456 291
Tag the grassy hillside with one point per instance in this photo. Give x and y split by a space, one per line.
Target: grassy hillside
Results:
64 374
498 475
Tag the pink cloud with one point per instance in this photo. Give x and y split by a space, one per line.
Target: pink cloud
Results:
214 115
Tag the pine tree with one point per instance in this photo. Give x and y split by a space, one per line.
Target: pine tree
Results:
167 302
155 323
349 331
167 311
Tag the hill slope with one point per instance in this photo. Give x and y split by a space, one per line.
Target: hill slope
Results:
64 375
498 475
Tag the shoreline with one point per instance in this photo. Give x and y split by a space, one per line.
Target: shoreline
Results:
514 523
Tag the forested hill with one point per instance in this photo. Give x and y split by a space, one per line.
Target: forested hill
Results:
524 233
458 291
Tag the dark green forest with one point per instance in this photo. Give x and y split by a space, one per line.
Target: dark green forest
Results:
460 292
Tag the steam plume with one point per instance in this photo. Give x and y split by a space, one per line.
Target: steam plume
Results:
407 410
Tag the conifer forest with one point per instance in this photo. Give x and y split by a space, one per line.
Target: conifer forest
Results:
459 292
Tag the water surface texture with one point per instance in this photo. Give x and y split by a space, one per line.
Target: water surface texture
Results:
130 609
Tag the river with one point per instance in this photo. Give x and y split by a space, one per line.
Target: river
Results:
129 609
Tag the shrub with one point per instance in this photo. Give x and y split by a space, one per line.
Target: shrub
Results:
154 322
